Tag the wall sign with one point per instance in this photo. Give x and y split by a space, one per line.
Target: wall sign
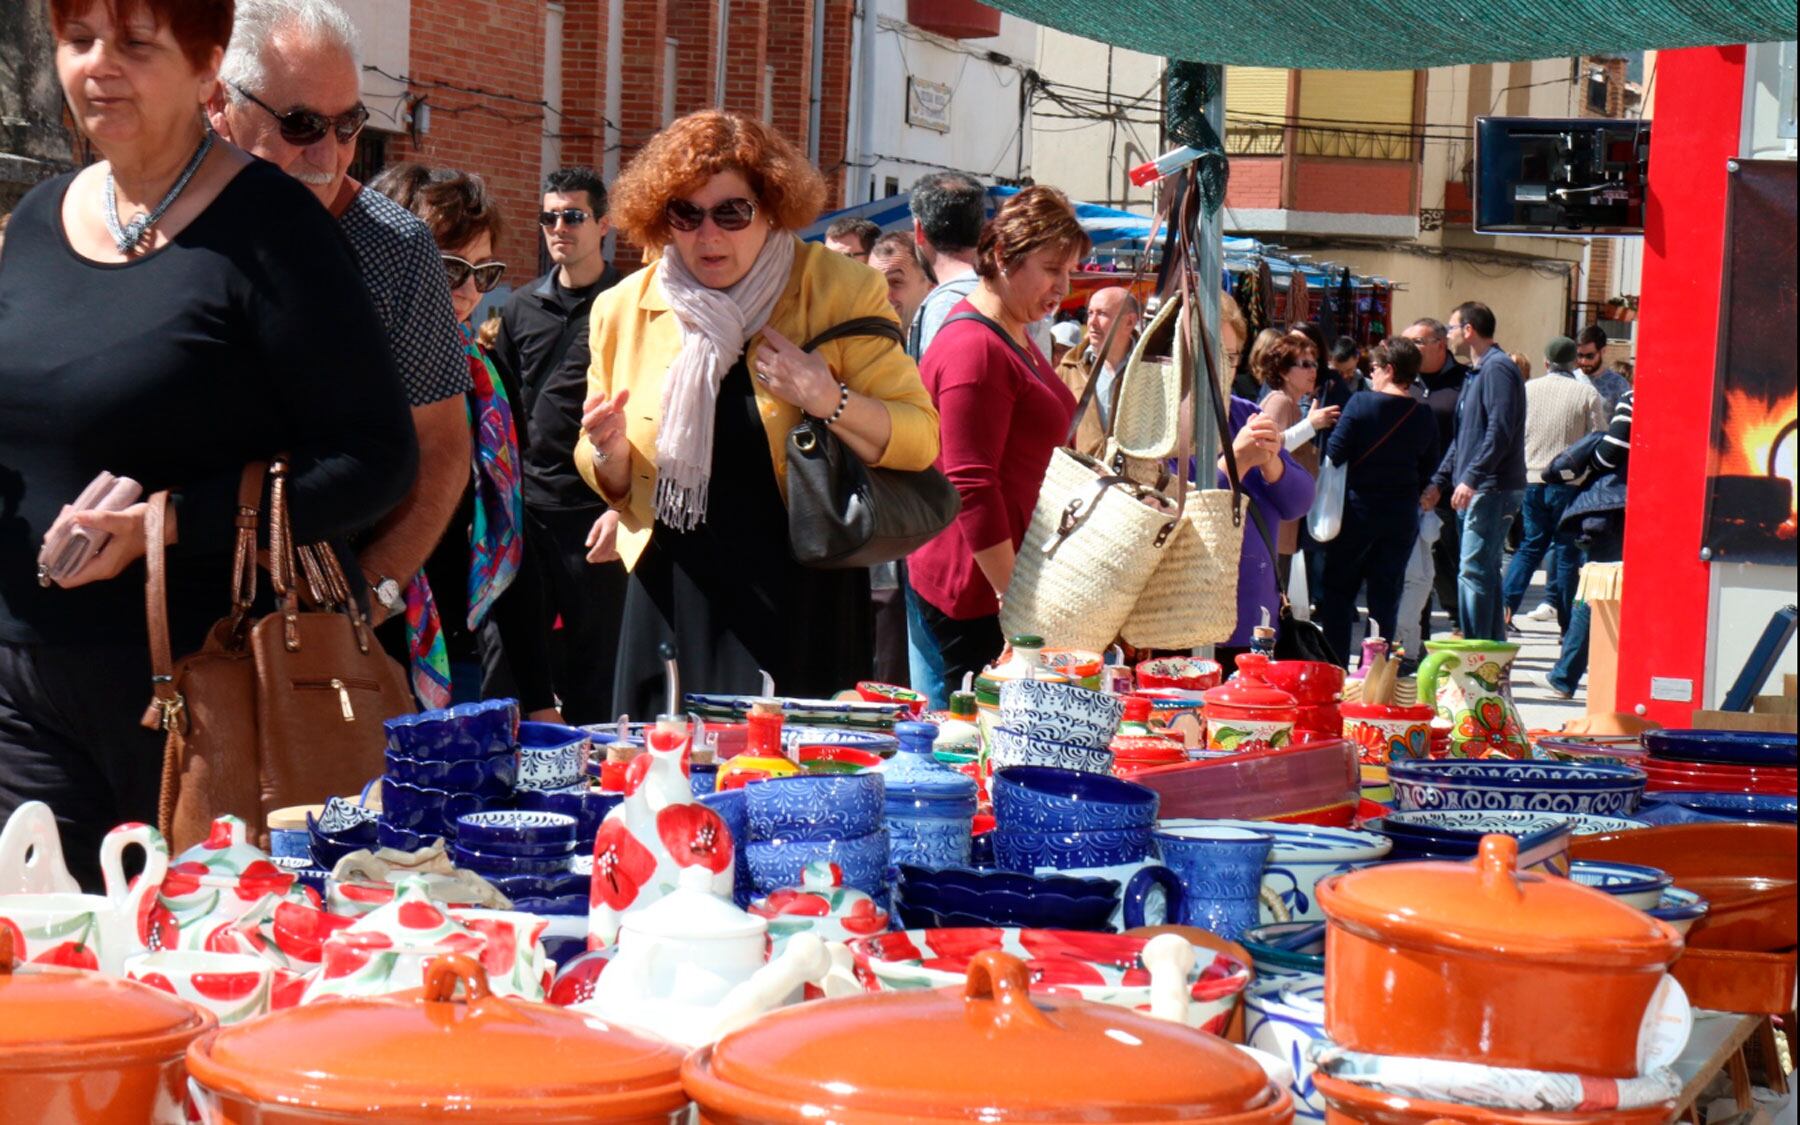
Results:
928 104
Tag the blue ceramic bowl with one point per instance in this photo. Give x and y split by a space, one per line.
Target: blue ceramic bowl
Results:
1021 851
1004 898
467 730
875 742
495 863
1680 908
1724 747
815 806
553 885
433 811
512 832
569 906
304 871
1040 799
402 839
703 778
326 850
344 819
1588 825
1631 883
1286 949
1600 788
551 756
1061 711
1702 808
492 776
1009 746
586 804
734 809
1456 835
775 864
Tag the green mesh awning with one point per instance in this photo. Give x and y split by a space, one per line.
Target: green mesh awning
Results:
1406 34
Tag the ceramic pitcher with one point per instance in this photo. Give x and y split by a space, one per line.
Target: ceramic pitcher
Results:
92 931
1476 698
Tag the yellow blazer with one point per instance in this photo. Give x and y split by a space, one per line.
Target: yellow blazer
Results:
634 337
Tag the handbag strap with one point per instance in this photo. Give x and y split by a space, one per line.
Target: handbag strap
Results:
1092 386
318 563
998 330
1202 343
1392 430
858 326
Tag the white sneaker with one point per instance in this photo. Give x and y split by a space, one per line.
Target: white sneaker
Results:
1544 612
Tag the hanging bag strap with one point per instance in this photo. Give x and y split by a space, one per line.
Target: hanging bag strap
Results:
858 326
1392 430
1204 345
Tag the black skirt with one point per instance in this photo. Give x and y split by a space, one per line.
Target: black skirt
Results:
730 597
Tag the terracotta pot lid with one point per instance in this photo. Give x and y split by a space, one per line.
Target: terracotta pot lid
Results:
438 1048
1250 691
989 1044
52 1018
1491 908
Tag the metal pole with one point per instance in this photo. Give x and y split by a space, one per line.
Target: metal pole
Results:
1212 268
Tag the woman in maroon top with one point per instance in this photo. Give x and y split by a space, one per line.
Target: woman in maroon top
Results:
1003 411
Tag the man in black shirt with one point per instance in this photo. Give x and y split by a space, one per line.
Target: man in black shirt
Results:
1442 376
542 348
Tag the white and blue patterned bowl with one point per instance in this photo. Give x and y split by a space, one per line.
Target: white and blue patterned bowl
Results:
1012 747
1680 908
1598 788
1284 1016
1632 884
863 860
1061 711
520 833
1025 852
551 756
1302 855
815 806
1455 834
1042 799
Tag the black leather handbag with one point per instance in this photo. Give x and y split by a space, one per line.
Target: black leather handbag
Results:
843 513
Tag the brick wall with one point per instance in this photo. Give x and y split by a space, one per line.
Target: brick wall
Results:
1255 182
1362 187
493 52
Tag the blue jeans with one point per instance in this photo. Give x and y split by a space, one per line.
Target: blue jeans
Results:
1545 542
1572 665
1478 592
923 657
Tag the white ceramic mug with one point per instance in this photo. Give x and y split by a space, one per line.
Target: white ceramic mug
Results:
90 931
233 986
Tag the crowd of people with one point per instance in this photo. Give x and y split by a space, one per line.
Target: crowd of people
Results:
546 503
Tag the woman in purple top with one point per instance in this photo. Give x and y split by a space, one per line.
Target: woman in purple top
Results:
1281 490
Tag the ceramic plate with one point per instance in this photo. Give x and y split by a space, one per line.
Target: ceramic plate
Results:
1723 747
1734 806
858 713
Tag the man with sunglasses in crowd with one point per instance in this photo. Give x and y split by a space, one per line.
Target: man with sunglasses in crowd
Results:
290 92
567 526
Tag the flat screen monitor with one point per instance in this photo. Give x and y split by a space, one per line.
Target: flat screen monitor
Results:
1562 176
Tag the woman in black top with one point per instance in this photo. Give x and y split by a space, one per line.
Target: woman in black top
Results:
236 328
1389 442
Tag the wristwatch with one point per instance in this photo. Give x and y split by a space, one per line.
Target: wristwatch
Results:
389 594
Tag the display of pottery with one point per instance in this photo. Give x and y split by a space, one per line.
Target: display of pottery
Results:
928 806
85 931
1247 713
1476 697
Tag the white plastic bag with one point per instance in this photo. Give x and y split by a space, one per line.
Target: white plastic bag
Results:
1326 516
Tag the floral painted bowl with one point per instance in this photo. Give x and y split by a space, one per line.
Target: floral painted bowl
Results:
1179 672
1009 746
1680 908
551 755
1102 968
1004 898
1040 799
1600 788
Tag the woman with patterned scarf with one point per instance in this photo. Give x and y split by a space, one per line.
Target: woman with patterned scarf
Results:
475 623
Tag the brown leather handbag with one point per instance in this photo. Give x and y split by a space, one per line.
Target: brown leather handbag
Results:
282 710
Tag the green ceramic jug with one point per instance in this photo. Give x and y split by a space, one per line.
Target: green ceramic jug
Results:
1477 700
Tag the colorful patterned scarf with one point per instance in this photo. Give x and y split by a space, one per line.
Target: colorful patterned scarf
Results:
495 535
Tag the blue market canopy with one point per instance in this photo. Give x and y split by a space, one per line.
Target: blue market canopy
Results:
1406 34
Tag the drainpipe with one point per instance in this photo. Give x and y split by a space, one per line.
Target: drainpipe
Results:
611 135
722 16
818 82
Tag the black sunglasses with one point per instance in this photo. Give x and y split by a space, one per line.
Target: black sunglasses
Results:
458 270
306 126
570 216
733 214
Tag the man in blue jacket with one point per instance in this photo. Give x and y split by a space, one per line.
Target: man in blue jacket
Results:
1486 466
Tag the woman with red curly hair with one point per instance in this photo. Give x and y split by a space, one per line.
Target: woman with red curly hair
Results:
1005 411
697 376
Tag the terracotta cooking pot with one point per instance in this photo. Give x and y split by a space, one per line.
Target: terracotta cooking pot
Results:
1746 872
989 1044
88 1049
1478 962
451 1050
1346 1101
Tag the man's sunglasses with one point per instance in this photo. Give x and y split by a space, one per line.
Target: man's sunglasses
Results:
458 270
570 216
733 214
307 127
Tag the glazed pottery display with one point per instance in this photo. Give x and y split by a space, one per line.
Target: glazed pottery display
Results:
1724 747
822 905
211 884
82 931
1300 856
928 807
31 856
88 1049
1285 1016
1544 838
234 987
1476 698
1482 963
1318 691
1286 949
691 966
1598 788
1184 673
658 830
950 897
990 1043
1632 884
1382 734
1318 782
1221 873
450 1049
1177 981
1060 712
1746 872
815 806
1247 714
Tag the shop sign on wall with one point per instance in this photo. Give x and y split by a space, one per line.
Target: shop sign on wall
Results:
928 104
1751 475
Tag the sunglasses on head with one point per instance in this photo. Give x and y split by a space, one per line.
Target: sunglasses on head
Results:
1306 363
731 215
306 126
486 275
570 216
